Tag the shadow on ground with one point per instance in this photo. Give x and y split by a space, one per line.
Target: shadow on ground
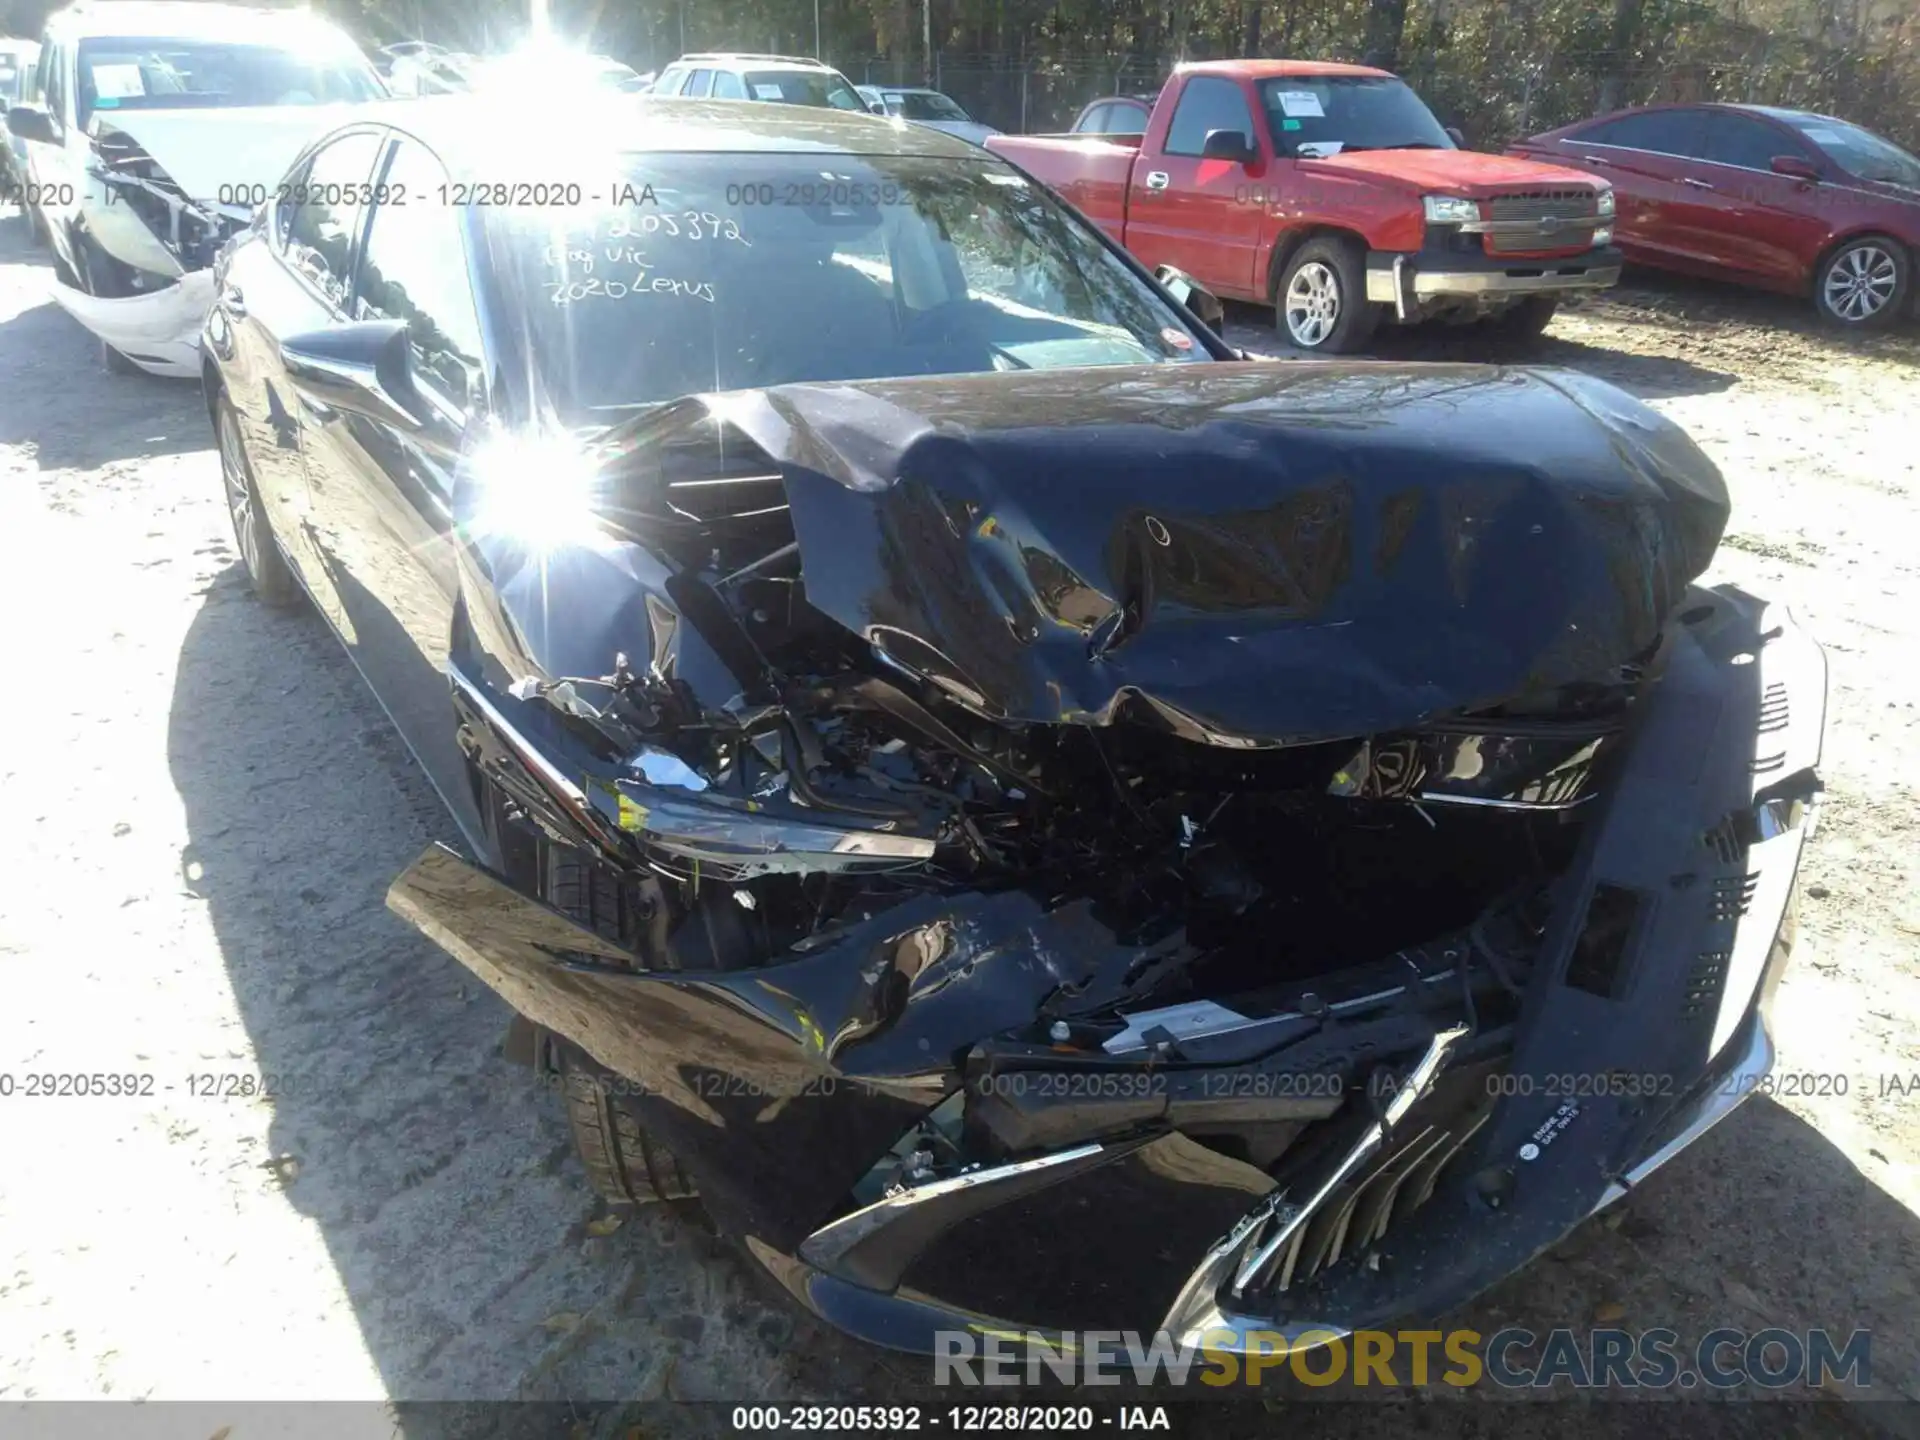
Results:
457 1217
1653 297
67 374
1648 376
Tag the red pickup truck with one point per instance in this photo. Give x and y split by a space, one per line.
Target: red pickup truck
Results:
1331 193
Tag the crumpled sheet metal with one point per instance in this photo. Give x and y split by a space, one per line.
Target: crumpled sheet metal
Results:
1308 551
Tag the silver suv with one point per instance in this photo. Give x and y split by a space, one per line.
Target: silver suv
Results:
778 79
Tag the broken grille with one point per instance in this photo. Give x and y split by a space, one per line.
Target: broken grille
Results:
1733 895
1774 714
1361 1215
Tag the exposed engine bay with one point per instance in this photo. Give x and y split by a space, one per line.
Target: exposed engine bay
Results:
1217 826
164 190
187 233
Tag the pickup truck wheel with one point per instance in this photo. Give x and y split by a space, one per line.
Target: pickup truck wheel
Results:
1322 305
1863 284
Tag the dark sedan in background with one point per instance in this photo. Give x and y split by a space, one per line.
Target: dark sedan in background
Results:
1781 199
1029 818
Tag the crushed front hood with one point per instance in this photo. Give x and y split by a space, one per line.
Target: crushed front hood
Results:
1251 553
214 154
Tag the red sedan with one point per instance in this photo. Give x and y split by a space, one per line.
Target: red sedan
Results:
1781 199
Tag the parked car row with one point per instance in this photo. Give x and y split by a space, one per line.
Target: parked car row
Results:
17 61
147 132
1279 211
945 745
1331 193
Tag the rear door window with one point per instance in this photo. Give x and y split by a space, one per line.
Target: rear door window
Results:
727 86
699 83
1744 141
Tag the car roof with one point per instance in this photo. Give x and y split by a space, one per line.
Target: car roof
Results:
477 138
1780 112
1268 69
185 19
1771 112
747 60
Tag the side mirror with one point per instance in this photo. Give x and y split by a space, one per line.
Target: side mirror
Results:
1235 145
1782 165
1200 302
364 368
1457 136
30 122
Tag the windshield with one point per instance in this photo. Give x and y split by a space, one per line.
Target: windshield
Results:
175 74
1860 153
921 105
9 79
1325 114
723 272
804 87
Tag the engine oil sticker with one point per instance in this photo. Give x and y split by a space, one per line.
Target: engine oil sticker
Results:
1550 1130
1302 104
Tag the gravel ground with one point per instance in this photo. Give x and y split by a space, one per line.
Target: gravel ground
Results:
204 807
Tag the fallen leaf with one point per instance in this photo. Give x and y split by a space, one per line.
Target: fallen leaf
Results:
563 1323
1608 1313
606 1224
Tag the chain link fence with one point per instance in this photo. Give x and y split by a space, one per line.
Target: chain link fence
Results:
1495 92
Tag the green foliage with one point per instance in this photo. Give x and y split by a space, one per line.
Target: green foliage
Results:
1496 68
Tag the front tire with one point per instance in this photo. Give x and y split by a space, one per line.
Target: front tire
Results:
116 363
624 1165
1322 304
1863 285
267 568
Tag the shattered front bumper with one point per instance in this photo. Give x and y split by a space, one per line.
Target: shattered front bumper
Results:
158 331
1643 1024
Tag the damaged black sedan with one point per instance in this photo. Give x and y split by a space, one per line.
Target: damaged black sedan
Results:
1027 818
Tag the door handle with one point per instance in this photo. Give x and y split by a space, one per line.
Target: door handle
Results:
233 302
1157 180
1596 160
1696 184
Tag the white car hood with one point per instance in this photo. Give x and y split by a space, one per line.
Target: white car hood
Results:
208 152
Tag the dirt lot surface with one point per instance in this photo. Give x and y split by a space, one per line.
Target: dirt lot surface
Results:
204 806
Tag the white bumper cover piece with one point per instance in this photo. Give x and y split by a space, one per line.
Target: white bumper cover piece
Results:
159 331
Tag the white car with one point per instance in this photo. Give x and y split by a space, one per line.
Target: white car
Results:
925 107
17 61
159 128
775 79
